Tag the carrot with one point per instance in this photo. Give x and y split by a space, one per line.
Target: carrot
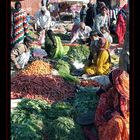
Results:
47 87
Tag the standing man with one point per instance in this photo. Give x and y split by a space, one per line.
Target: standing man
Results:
19 24
101 20
43 22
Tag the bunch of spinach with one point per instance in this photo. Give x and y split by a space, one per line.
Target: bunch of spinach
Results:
29 120
64 128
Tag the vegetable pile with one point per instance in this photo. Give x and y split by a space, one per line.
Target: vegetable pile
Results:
60 109
85 100
79 53
63 68
47 87
28 120
37 68
64 128
89 83
36 119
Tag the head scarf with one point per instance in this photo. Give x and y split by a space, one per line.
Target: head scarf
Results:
120 79
105 44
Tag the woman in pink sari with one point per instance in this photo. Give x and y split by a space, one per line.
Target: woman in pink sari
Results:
121 24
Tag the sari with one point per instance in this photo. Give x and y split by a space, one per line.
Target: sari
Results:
112 114
102 62
121 24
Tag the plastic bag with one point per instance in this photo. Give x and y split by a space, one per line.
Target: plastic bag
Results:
38 52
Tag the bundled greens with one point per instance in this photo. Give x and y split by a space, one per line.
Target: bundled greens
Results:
60 109
86 100
79 53
29 120
64 128
63 68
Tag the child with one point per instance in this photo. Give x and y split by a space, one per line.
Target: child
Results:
106 34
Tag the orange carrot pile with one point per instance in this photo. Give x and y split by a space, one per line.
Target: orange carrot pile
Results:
89 83
48 87
37 68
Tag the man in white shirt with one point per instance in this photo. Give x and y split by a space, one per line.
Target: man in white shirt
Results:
82 33
43 18
43 22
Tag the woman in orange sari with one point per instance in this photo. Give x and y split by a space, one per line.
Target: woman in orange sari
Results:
112 114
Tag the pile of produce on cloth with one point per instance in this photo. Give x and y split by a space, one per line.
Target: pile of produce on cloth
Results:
39 120
64 69
85 100
79 53
37 67
29 120
76 57
36 119
50 103
36 82
64 128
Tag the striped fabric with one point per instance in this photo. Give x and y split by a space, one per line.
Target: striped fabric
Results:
20 26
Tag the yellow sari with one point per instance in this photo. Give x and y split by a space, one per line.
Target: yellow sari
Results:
102 65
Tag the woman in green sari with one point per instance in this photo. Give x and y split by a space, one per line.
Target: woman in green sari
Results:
53 45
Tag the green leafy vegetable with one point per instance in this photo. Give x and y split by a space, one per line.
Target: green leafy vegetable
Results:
64 128
60 109
29 120
79 53
63 68
85 101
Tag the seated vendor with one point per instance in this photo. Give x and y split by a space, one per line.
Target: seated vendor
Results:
53 45
102 63
82 33
112 114
20 54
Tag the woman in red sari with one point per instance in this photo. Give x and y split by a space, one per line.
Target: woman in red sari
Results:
112 114
121 24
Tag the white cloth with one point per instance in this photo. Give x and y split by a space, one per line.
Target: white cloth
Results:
81 34
23 59
43 21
